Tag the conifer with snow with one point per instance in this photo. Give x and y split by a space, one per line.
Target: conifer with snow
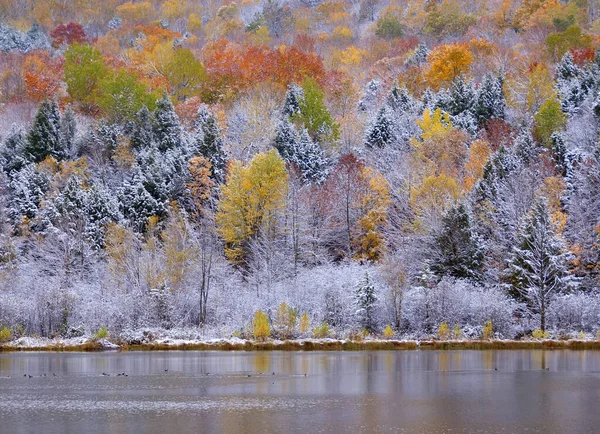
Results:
209 143
44 138
365 298
381 132
293 99
167 129
539 263
490 102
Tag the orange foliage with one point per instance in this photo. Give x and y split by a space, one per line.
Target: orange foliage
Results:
42 76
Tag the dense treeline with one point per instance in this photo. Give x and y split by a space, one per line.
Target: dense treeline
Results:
411 165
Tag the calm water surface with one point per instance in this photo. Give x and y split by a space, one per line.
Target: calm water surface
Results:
342 392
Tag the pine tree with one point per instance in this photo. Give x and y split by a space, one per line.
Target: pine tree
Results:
457 250
286 139
44 139
210 143
310 159
538 265
167 129
365 298
399 100
137 205
143 134
26 189
381 133
293 99
490 102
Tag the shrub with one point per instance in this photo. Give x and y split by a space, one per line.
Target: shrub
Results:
304 325
285 321
260 326
443 331
457 332
488 330
102 333
321 331
5 334
388 333
539 334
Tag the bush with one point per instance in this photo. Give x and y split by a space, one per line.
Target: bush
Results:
102 333
488 330
539 334
443 331
285 321
304 325
457 332
321 331
388 333
5 334
261 329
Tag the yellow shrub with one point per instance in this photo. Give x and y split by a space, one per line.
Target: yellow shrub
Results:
304 325
539 334
321 331
388 333
456 332
444 331
5 334
488 330
260 326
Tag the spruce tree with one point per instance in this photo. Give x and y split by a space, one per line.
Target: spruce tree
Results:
286 139
210 143
143 134
490 102
167 129
11 152
538 267
310 159
293 99
68 129
365 298
457 250
381 133
44 139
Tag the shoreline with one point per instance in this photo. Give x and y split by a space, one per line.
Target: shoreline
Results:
300 345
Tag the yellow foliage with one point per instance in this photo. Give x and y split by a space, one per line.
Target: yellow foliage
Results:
388 333
174 9
194 23
285 321
179 250
443 331
446 62
137 13
434 196
434 126
479 153
261 329
304 325
251 200
540 335
553 190
321 331
341 33
488 330
456 332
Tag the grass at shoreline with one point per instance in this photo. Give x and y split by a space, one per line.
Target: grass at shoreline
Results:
316 345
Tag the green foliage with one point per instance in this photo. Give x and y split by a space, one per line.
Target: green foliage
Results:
185 73
389 27
5 335
44 139
540 334
314 115
102 333
322 331
443 331
261 329
573 37
488 330
121 96
285 321
457 332
84 69
443 21
548 120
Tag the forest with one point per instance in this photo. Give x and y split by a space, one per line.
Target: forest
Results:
300 168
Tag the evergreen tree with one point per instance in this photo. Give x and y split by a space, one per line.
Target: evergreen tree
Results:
538 265
143 134
457 250
419 56
137 205
365 299
381 133
26 189
286 139
11 152
369 100
167 129
68 129
490 102
399 100
310 159
210 143
293 98
44 139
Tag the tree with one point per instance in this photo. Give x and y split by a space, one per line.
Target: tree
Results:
84 69
167 129
251 202
365 298
490 103
538 264
381 132
446 62
389 26
314 114
293 97
70 33
184 72
209 143
142 136
121 96
44 139
548 120
457 250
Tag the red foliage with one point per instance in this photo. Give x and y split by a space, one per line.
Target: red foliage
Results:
582 56
497 132
67 34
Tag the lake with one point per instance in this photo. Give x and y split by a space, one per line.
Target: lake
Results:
300 392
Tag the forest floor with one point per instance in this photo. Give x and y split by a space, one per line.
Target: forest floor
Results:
236 344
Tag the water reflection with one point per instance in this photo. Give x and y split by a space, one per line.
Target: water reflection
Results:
416 391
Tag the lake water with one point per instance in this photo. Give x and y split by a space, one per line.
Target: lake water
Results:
342 392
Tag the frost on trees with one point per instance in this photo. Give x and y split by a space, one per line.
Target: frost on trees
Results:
490 102
538 266
365 298
381 132
293 100
167 129
209 143
142 135
457 251
44 139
